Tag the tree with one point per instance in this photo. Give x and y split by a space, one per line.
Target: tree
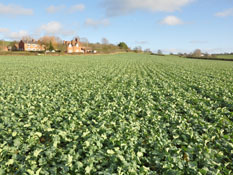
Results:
123 45
56 41
84 41
105 41
61 47
137 49
2 45
50 48
160 52
27 38
147 50
13 43
197 53
180 54
206 54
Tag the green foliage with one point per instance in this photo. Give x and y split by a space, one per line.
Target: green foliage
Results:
159 52
226 56
123 45
50 48
104 48
12 43
115 114
61 47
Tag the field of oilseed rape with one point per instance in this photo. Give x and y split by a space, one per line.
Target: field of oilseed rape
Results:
115 114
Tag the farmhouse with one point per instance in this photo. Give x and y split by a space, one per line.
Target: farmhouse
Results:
30 46
14 47
3 48
74 46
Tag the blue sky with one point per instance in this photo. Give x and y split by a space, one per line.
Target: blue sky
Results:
170 25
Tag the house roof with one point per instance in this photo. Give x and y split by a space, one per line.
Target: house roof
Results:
72 42
31 42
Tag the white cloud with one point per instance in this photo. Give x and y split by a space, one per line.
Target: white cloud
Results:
96 23
4 30
198 42
141 42
51 28
8 34
14 10
17 35
122 7
77 7
69 32
228 12
55 9
55 28
13 35
172 21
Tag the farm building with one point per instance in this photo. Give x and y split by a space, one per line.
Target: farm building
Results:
3 48
74 46
30 46
15 47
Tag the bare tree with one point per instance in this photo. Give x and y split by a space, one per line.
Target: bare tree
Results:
147 50
84 41
137 49
48 40
104 41
197 53
26 38
160 52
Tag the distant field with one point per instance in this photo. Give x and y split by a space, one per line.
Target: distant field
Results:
225 56
115 114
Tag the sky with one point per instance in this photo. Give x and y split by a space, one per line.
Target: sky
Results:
169 25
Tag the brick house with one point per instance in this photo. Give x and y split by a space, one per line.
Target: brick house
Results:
21 46
74 46
31 46
14 47
3 48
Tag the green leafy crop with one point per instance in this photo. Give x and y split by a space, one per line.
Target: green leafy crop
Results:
115 114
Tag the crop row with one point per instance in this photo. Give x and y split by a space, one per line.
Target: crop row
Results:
115 114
